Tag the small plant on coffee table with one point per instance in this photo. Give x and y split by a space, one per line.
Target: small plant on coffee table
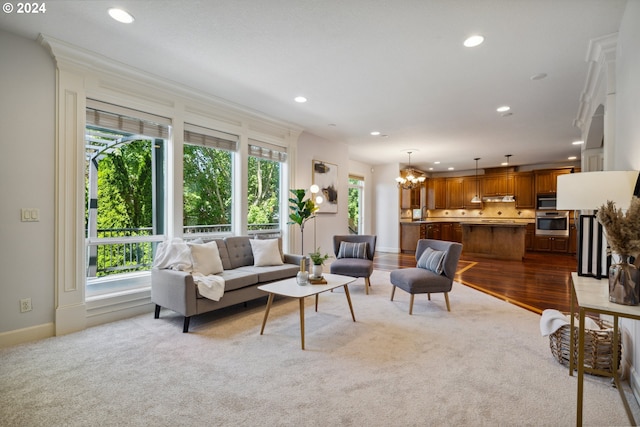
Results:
317 258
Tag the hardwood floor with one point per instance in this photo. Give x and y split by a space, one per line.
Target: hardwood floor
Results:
538 282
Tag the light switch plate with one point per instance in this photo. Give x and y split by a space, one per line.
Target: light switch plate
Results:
30 214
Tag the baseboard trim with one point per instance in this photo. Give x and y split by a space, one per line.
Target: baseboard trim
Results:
32 333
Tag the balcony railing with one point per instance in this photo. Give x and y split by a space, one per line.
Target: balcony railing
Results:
127 250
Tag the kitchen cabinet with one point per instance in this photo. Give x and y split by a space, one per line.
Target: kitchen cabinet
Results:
529 236
471 189
457 232
411 198
410 233
573 238
455 193
545 179
524 190
433 231
551 244
437 193
446 231
497 184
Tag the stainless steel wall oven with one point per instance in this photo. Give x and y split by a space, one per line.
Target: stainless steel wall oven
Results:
552 223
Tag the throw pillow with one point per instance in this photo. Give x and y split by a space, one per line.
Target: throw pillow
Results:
265 252
352 250
432 260
206 258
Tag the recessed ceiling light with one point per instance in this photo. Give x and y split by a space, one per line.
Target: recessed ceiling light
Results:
504 164
474 41
436 163
450 168
375 133
578 142
121 15
538 76
572 157
430 169
300 99
503 109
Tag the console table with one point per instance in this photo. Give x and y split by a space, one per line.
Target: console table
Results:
592 295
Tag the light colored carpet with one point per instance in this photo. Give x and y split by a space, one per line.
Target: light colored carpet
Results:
484 363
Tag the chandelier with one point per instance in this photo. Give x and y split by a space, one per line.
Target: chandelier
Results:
410 178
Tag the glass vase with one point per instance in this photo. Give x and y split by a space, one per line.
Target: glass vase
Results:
623 282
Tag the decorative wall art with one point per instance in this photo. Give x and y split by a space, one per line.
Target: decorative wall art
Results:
325 176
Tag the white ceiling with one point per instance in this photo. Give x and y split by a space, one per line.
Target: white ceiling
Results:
398 66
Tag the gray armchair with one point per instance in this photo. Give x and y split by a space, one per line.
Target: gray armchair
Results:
433 273
354 260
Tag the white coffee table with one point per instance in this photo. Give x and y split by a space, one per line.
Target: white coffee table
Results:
290 288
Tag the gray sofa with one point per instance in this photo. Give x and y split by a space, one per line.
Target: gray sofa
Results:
177 291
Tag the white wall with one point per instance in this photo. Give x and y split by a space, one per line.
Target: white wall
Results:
387 214
626 152
27 85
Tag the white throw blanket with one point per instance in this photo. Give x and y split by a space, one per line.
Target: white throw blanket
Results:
176 255
552 320
211 286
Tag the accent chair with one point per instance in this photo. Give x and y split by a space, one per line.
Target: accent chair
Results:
354 256
437 261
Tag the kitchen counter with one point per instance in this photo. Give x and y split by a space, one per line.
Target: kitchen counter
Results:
497 239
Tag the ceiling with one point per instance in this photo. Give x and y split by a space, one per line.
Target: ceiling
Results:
397 67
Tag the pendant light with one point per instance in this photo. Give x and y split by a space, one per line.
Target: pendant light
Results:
508 198
412 177
476 198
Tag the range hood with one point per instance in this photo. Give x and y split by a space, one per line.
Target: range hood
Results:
498 199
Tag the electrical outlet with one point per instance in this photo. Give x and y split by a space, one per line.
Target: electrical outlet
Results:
25 305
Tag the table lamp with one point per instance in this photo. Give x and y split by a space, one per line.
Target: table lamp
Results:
588 191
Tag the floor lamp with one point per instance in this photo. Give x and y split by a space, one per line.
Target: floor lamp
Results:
587 191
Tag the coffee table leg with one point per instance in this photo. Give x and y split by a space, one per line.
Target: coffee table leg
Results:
302 321
266 313
346 292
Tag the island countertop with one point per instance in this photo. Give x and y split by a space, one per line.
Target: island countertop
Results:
499 239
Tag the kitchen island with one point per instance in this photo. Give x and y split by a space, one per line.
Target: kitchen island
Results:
498 239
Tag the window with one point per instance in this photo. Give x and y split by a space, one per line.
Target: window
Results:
208 180
356 191
264 178
124 187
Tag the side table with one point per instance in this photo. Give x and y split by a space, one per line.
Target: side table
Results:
592 295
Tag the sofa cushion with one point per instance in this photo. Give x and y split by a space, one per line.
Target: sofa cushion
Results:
432 260
266 252
271 273
237 278
353 250
206 258
239 249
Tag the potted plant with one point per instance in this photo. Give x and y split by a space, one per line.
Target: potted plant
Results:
301 210
317 259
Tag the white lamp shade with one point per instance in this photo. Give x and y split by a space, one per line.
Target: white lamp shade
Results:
590 190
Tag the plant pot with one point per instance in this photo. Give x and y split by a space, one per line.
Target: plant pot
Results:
624 286
316 270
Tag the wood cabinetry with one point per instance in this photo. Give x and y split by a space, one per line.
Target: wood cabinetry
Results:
497 184
573 238
545 179
455 193
457 232
433 231
411 199
529 236
551 244
524 190
410 233
437 193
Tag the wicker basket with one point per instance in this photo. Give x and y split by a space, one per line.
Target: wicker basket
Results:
598 346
